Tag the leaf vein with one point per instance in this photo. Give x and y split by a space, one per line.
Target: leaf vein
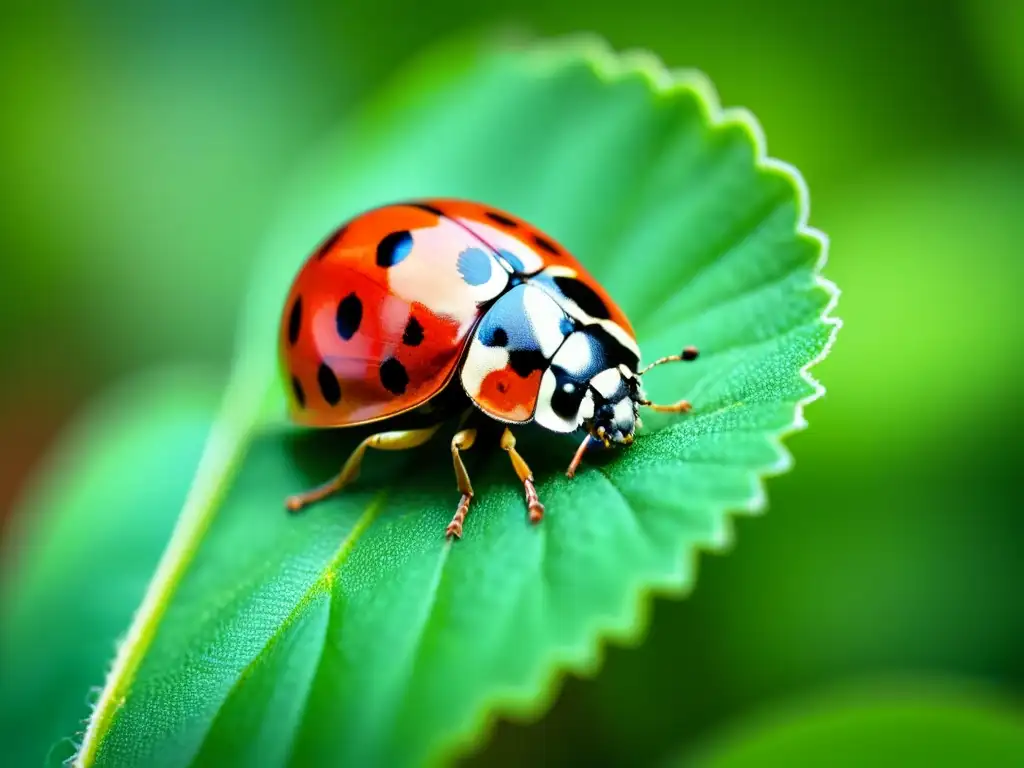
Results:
742 234
725 301
322 584
428 620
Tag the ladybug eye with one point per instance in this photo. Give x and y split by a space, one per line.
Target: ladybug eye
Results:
567 394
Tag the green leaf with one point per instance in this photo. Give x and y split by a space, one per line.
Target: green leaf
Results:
982 190
893 725
86 541
355 633
995 28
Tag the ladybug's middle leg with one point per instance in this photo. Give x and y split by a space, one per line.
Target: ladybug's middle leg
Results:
399 440
508 444
462 441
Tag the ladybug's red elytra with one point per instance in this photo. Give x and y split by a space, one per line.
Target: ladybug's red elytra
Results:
409 303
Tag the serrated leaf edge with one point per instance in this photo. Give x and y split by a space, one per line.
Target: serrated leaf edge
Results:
629 629
226 447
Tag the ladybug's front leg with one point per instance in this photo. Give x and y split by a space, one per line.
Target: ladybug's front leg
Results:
508 444
462 441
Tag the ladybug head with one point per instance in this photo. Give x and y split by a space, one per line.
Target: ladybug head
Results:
614 395
610 409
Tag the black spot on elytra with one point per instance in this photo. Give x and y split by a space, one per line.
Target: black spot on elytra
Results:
546 245
300 395
526 361
428 208
584 296
349 316
295 321
327 244
413 335
498 218
393 248
393 376
329 386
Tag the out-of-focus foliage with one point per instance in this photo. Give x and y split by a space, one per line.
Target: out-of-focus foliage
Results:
895 546
76 578
898 725
998 28
952 287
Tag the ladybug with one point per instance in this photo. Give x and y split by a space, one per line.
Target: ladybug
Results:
419 307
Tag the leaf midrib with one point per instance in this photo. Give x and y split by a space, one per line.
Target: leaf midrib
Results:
323 584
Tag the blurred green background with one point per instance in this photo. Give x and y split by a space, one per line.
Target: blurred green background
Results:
143 147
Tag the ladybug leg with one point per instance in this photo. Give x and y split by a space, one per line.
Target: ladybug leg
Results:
462 441
382 441
577 458
508 444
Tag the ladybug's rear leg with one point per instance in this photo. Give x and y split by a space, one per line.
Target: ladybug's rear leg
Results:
462 441
382 441
508 443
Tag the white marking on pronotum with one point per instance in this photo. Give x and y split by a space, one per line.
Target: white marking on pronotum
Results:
575 355
586 410
607 382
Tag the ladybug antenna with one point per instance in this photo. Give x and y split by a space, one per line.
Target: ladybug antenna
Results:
683 406
688 354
